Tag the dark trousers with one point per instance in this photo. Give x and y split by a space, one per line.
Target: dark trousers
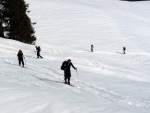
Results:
67 76
91 50
38 54
21 61
124 52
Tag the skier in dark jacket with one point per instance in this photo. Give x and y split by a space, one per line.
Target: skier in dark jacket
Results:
124 49
38 49
67 72
20 58
92 48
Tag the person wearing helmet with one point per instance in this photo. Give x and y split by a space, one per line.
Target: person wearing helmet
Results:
20 58
67 72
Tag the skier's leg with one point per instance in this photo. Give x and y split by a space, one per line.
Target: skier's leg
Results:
69 80
22 63
40 55
19 62
124 51
37 54
65 76
65 79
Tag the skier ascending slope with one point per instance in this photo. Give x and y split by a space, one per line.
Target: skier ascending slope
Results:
38 49
124 49
66 65
20 57
92 48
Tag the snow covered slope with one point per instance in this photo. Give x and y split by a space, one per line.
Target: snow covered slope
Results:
107 81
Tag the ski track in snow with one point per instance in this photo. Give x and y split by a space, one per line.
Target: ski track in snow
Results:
53 78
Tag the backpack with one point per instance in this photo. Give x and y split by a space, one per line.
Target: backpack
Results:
39 48
62 66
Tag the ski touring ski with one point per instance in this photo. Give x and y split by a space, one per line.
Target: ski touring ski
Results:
69 84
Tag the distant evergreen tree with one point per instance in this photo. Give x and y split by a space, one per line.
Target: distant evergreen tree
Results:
1 30
17 22
1 20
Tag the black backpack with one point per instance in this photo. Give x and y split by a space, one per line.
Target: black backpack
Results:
62 66
39 48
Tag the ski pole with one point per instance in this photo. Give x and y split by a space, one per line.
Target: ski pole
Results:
35 52
77 75
25 61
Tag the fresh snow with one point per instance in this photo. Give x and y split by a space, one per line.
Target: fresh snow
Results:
107 80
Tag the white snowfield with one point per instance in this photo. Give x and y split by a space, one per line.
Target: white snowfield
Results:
107 81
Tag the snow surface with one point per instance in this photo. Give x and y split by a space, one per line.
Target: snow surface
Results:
107 81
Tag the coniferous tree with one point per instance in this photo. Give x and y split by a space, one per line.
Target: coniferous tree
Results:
1 30
17 22
1 20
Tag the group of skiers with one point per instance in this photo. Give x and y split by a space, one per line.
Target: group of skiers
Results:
21 56
124 49
66 65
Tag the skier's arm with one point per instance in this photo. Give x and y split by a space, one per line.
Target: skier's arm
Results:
73 66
